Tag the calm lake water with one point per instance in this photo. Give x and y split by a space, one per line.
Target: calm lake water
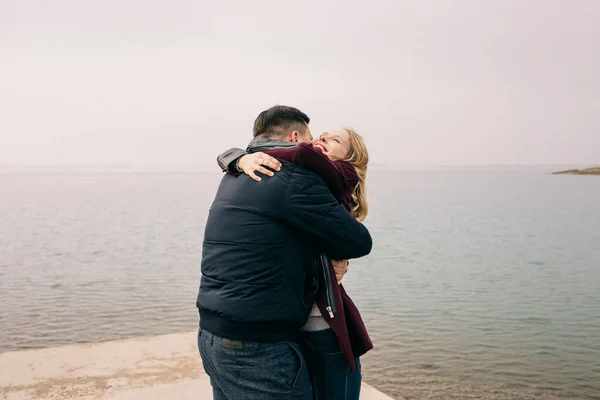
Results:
483 283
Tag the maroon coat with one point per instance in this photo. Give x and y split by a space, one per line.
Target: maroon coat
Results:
341 178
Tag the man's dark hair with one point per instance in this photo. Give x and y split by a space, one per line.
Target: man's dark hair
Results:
278 121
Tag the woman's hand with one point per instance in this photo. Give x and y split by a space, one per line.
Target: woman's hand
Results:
340 267
256 162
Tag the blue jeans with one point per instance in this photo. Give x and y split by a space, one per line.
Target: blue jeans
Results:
330 376
254 371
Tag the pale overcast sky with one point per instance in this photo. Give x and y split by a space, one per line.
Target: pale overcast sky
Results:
176 82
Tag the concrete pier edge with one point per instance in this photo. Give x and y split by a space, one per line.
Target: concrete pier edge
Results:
158 367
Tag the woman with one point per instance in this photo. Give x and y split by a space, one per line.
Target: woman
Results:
335 334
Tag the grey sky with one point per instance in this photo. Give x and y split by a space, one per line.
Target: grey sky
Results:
425 82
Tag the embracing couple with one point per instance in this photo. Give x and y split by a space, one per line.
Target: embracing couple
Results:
275 320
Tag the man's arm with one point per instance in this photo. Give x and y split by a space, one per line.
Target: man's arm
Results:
312 209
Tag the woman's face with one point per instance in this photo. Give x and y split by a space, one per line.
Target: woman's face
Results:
335 144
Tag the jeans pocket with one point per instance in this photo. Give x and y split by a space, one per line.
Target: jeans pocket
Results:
300 358
199 340
204 349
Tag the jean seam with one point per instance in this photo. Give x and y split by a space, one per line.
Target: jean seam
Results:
346 384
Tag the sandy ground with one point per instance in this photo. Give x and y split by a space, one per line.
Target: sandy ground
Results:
161 367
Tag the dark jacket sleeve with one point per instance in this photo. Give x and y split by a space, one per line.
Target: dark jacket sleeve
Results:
227 159
312 209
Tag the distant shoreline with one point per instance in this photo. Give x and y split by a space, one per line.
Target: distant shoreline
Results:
587 171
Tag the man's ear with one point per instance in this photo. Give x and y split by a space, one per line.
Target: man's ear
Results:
294 136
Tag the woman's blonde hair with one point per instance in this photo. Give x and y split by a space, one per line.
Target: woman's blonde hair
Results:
358 157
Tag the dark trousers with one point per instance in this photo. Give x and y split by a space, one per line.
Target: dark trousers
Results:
330 376
254 371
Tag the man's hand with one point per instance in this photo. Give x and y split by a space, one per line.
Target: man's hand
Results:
340 267
251 163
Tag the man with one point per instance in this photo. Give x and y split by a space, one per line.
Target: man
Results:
259 268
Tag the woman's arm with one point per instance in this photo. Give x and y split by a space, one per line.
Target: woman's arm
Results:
234 161
340 176
228 159
257 162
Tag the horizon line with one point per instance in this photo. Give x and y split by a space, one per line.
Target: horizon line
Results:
196 166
